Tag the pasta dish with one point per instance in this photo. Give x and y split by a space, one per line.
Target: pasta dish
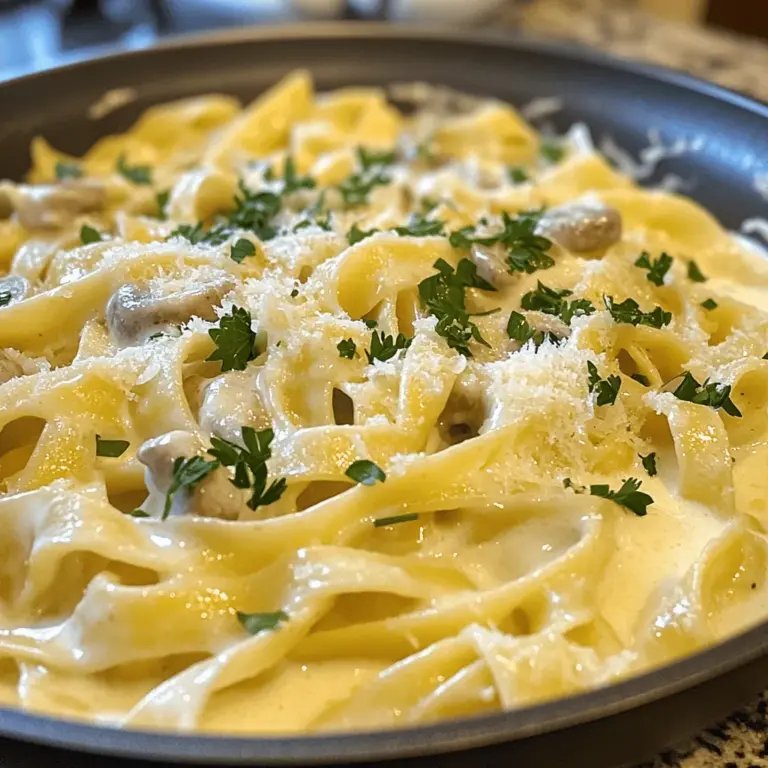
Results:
326 413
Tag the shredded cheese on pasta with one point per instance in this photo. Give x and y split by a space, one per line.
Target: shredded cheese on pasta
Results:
317 415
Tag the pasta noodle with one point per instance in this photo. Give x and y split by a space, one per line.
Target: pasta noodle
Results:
320 415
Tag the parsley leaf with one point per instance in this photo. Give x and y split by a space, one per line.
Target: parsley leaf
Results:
694 273
552 151
255 211
162 200
365 472
607 389
526 251
355 190
137 174
629 312
292 182
138 513
68 170
111 448
5 298
235 341
628 495
520 330
242 249
443 296
638 377
657 268
385 347
369 158
551 301
710 394
186 474
253 623
357 235
89 235
250 465
198 234
347 348
649 462
382 522
370 323
419 226
709 304
518 175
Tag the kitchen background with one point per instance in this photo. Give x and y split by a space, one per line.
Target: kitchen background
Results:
719 40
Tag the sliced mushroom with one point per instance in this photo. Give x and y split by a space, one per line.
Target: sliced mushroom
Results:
489 261
229 403
133 314
15 286
214 496
582 227
53 206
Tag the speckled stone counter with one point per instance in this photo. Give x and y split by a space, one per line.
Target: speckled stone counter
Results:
737 62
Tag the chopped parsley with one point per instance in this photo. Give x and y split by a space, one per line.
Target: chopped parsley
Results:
162 200
138 513
242 249
526 251
315 215
629 312
638 377
255 211
520 330
443 296
5 298
198 234
709 304
419 226
649 462
365 472
518 175
347 348
253 623
68 171
694 273
551 301
136 174
386 347
110 448
291 181
370 158
357 235
552 151
355 190
607 389
370 323
89 235
382 522
235 340
187 473
657 268
628 495
294 293
710 394
250 465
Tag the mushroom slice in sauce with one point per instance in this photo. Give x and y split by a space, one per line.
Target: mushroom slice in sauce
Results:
230 402
214 496
53 206
490 264
133 314
582 227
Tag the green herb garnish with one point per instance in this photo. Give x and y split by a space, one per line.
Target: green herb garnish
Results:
657 268
292 182
255 211
554 302
347 348
357 235
711 394
365 472
111 448
370 323
694 273
381 522
628 495
198 234
162 200
552 151
250 465
443 296
187 473
638 377
709 304
89 235
518 175
235 341
519 329
242 249
370 158
629 312
419 226
355 190
138 513
137 174
649 462
5 298
68 171
386 347
253 623
607 389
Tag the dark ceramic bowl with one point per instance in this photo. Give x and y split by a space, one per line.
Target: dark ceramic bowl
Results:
611 726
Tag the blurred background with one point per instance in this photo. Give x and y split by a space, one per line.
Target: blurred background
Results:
721 40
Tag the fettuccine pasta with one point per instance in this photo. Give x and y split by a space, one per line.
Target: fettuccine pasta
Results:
322 415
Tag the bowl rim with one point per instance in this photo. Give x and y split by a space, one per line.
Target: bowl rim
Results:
448 735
